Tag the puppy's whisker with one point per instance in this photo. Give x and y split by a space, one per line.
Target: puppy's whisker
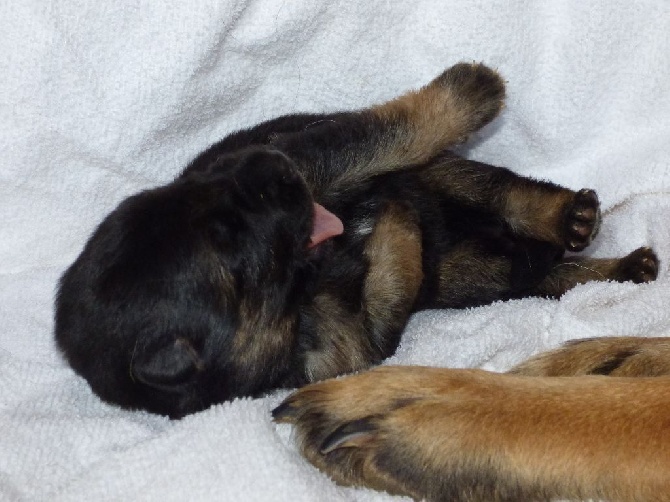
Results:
317 122
132 359
584 267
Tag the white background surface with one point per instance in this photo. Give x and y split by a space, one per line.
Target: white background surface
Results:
101 99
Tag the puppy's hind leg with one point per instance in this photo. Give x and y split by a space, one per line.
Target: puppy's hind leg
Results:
443 113
342 149
530 208
639 266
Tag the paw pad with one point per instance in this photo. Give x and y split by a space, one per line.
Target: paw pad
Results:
582 220
639 266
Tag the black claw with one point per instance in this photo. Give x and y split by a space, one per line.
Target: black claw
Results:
285 412
351 431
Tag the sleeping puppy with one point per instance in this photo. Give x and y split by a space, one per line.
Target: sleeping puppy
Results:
295 251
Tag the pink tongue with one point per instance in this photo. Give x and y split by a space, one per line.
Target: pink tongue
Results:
326 225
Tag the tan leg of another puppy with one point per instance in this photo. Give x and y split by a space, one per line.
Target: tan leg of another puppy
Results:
614 356
468 435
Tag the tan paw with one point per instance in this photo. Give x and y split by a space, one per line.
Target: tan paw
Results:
479 89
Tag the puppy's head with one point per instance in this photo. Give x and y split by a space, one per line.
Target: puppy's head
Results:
188 294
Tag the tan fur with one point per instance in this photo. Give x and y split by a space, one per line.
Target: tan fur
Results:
462 180
466 264
639 266
393 252
531 208
259 339
436 118
534 213
476 436
343 347
577 270
441 114
615 356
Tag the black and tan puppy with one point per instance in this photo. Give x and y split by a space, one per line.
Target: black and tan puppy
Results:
296 250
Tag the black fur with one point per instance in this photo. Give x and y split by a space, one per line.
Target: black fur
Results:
206 289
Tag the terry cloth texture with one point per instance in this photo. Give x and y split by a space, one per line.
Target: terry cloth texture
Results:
99 100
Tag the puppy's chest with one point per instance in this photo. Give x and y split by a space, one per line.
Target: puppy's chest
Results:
361 228
345 265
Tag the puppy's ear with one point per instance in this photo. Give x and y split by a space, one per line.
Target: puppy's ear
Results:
169 366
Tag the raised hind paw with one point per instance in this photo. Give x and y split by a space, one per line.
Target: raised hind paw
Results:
582 220
476 91
421 124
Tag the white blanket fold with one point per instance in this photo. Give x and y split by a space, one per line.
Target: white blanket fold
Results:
102 99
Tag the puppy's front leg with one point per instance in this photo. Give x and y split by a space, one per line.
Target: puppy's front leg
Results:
350 341
469 435
345 148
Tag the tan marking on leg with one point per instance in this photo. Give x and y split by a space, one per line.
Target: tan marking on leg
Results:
470 435
614 356
395 273
537 213
441 114
343 345
353 341
638 266
467 270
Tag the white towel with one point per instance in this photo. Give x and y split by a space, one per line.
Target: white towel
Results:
102 99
